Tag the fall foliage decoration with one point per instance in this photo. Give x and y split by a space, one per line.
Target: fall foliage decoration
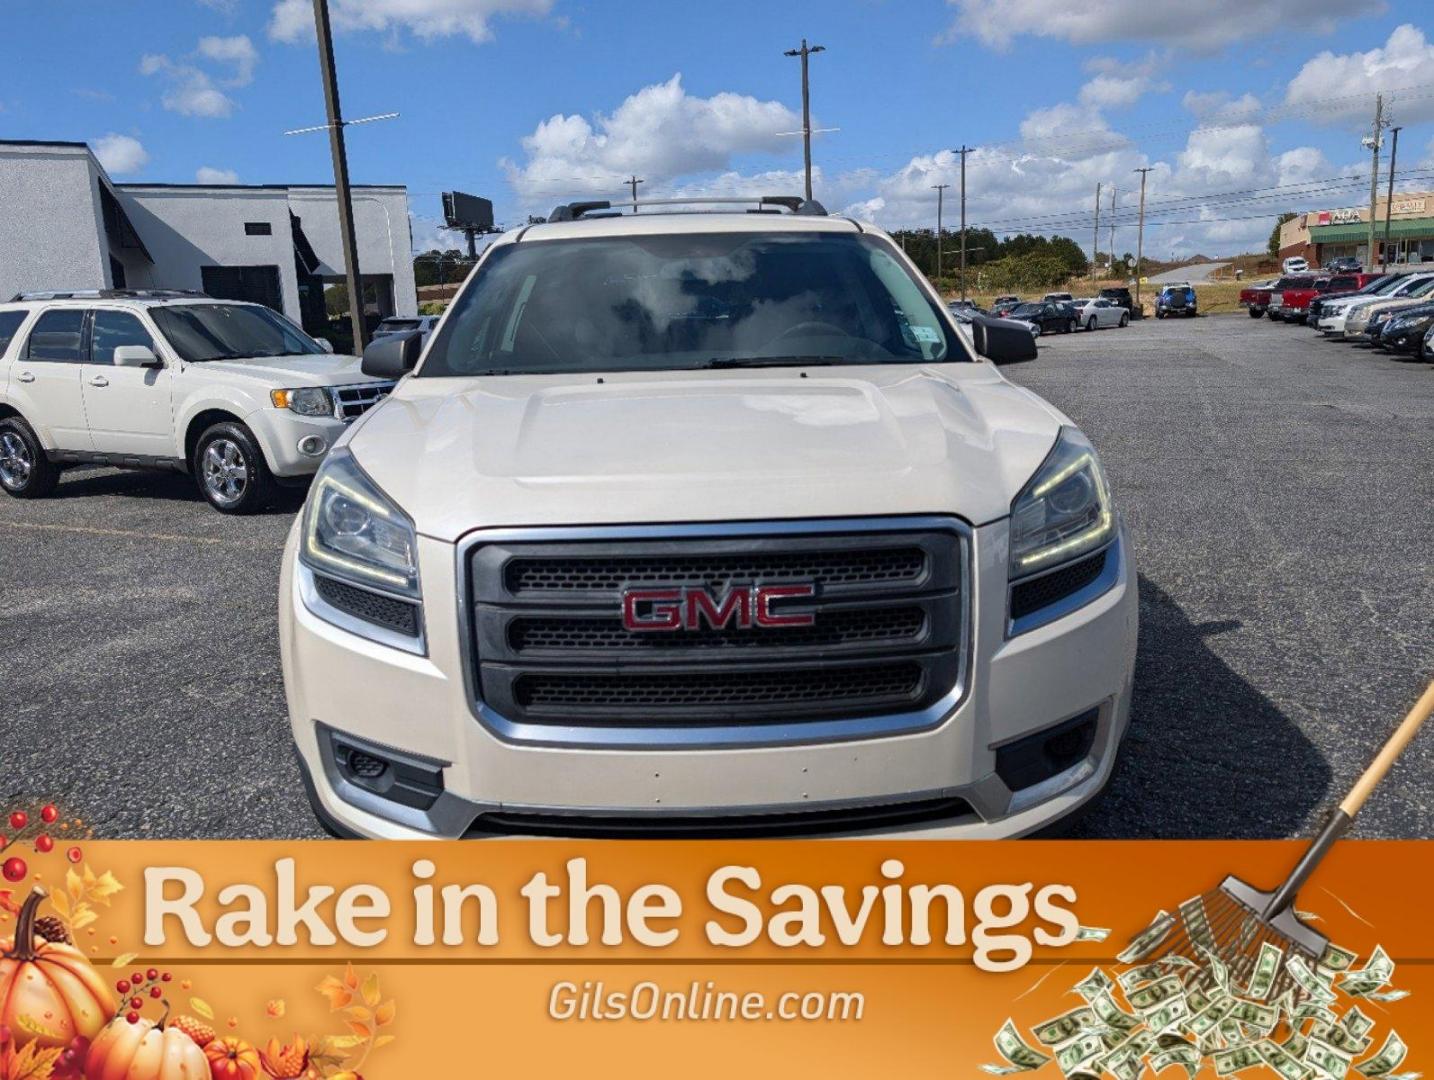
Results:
145 1050
49 993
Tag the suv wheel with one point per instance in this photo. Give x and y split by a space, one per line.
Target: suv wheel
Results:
25 471
230 469
1070 327
1256 313
1125 320
1090 323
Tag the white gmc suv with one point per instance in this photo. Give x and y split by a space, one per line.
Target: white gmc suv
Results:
232 393
704 523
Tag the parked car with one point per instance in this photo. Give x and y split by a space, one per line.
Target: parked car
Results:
1404 331
1291 303
612 640
1426 350
1255 298
1058 296
1046 315
1334 313
1120 296
233 394
1377 309
1295 264
1342 285
1002 305
402 324
1342 264
1099 314
1176 300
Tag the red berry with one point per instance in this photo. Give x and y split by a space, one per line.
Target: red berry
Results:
14 869
48 814
132 1017
122 986
74 854
68 1057
166 977
152 974
137 978
44 845
155 991
136 1003
19 819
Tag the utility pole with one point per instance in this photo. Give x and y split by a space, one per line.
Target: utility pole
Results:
1373 141
1389 199
1112 228
940 192
1140 234
341 173
1095 234
963 152
633 181
805 52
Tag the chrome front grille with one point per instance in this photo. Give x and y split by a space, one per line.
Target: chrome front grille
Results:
351 402
552 659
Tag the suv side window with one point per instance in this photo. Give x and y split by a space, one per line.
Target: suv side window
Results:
10 321
111 329
57 336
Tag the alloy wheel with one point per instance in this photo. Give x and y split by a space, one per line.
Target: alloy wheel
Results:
16 464
225 471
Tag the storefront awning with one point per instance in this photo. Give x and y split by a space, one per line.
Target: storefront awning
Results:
1358 231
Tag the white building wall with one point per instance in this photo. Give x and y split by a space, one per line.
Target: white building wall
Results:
52 232
186 228
381 226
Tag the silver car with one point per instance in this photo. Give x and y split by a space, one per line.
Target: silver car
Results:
1100 313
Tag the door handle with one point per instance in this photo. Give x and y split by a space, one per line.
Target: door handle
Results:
25 376
99 380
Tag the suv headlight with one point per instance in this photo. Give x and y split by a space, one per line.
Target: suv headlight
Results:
306 401
353 530
1064 510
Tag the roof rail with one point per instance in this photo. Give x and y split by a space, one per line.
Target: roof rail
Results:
107 294
793 203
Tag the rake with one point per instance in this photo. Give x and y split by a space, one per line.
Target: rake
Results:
1234 921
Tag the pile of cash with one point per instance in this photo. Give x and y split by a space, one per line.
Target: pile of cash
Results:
1300 1018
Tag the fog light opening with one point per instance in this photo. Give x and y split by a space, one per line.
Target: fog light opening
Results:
389 774
1043 754
313 445
365 766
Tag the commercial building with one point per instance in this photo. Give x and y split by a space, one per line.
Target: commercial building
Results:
1321 235
69 226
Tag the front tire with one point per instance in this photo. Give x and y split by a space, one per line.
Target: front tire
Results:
1256 313
230 470
1070 327
1124 321
1090 323
25 471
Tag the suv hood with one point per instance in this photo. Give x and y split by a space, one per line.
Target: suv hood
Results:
704 446
319 369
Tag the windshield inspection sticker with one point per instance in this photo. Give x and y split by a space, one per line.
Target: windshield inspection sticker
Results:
926 333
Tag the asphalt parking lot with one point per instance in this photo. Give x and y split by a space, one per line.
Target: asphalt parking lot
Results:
1280 493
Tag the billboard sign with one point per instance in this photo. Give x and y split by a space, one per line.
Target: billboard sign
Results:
464 211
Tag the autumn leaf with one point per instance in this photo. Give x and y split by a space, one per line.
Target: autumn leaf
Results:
74 885
351 979
276 1008
383 1040
337 993
103 888
371 994
363 1031
202 1007
61 903
33 1063
384 1014
340 1042
84 915
123 960
359 1013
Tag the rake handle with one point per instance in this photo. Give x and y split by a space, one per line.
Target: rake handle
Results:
1340 821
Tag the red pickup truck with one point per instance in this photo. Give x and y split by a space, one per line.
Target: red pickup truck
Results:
1256 298
1290 299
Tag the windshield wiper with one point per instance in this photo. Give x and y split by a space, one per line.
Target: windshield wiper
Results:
718 362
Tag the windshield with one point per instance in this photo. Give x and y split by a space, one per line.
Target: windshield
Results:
199 332
640 303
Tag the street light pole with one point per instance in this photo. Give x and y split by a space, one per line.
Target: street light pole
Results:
963 152
633 181
805 52
940 193
1140 235
347 236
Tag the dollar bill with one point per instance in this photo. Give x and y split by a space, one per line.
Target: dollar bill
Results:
1336 959
1197 923
1152 996
1168 1015
1092 933
1355 1022
1075 1054
1308 981
1197 999
1112 1015
1217 969
1187 1056
1259 1016
1094 984
1295 1044
1313 1010
1208 1019
1391 1055
1267 966
1020 1057
1064 1028
1149 939
1329 1060
1144 973
1387 995
1281 1060
1375 974
1236 1059
1340 1037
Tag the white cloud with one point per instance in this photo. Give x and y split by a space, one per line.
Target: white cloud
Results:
237 50
1218 106
293 20
208 174
120 154
1397 67
1113 91
661 133
1205 27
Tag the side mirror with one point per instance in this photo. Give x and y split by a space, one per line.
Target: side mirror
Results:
393 355
1002 341
140 356
325 344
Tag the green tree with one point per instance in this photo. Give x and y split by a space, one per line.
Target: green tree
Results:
1275 232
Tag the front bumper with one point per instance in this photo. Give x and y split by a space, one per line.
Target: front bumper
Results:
339 684
280 433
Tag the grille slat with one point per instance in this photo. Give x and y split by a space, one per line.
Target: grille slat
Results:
351 402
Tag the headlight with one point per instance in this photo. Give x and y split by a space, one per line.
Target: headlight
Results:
306 401
1064 510
353 530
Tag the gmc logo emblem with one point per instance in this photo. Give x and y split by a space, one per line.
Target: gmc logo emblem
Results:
689 607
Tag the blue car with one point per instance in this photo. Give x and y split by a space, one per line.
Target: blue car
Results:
1176 300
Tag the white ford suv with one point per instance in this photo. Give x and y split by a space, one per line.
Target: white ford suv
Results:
704 523
232 393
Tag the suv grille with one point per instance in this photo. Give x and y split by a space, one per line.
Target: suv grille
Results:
351 402
550 647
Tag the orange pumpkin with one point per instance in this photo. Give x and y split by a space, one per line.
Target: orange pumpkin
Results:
144 1051
231 1058
49 993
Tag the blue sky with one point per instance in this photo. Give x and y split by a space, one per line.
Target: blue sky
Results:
533 101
